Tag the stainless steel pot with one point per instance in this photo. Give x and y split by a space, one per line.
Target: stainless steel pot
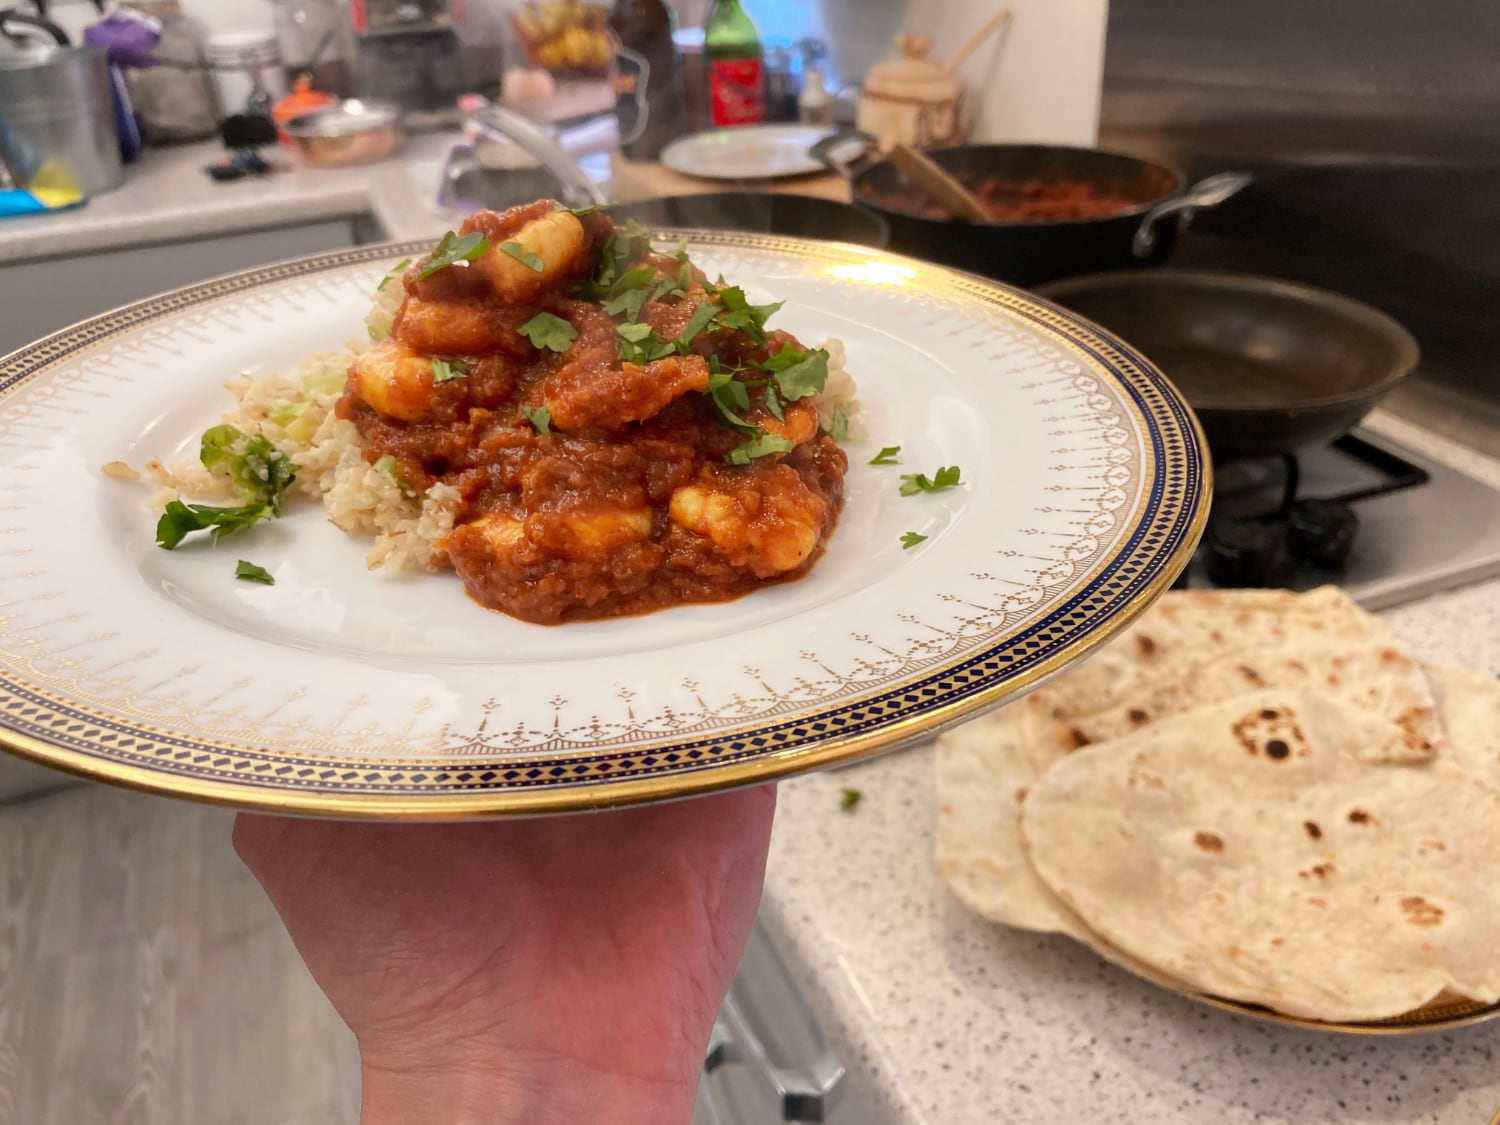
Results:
57 118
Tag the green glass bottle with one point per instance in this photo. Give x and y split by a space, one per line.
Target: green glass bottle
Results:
735 66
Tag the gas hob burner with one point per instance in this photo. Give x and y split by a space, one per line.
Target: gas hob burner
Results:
1362 513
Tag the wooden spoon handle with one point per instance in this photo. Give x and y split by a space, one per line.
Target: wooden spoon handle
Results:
985 30
947 192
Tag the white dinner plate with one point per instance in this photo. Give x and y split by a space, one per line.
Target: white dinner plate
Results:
346 692
747 152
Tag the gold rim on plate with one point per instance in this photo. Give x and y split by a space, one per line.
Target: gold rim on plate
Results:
1162 532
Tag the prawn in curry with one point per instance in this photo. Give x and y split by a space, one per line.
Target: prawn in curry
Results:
624 434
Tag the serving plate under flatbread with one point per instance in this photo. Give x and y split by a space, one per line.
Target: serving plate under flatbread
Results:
343 692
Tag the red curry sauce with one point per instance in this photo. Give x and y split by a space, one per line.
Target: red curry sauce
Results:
599 475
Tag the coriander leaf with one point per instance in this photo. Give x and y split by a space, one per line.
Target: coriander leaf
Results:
580 212
634 232
635 333
773 404
640 344
531 261
179 520
541 418
741 314
393 275
386 466
685 274
548 331
666 285
839 430
258 470
446 370
453 249
848 798
680 251
638 278
806 376
945 478
701 318
249 572
629 303
763 446
886 456
911 539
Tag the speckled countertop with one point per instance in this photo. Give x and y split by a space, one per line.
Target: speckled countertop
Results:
952 1020
168 196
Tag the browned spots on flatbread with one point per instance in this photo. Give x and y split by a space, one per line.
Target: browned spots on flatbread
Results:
1219 899
1270 714
1209 841
1216 636
1234 952
1359 816
1145 647
1312 829
1278 749
1315 902
1392 658
1421 913
1427 846
1077 740
1277 942
1137 716
1251 675
1316 871
1021 794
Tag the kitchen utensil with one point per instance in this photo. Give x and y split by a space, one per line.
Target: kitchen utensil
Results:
801 216
747 152
951 195
1001 18
426 706
246 68
1030 252
910 99
351 132
1268 365
57 120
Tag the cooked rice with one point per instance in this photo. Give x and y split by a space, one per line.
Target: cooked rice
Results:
295 413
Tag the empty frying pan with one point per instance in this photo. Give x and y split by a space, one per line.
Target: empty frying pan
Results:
1268 365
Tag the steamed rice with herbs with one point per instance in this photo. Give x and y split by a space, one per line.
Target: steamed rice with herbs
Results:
409 526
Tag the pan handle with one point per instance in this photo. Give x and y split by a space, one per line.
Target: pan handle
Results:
1208 192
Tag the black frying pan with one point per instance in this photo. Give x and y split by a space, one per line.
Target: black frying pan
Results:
1268 365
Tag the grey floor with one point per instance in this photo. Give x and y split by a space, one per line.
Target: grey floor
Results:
145 980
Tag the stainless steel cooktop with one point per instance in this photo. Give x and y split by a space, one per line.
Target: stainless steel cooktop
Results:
1423 527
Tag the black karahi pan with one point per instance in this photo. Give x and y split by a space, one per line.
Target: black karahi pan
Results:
801 216
1268 365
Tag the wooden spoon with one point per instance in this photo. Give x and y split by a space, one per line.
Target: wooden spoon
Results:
985 30
943 189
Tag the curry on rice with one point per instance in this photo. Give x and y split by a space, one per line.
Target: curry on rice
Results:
603 430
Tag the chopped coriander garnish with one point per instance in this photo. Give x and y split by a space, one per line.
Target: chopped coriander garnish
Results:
773 404
249 572
729 396
630 303
640 344
848 798
886 456
680 251
387 467
582 211
838 430
180 520
702 316
548 331
743 315
393 275
446 370
258 470
454 249
911 539
540 417
531 261
763 446
944 478
799 373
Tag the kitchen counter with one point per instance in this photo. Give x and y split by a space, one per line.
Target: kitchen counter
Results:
167 197
954 1020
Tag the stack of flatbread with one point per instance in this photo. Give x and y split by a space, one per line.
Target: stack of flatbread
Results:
1255 795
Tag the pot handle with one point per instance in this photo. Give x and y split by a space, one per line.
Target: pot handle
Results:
846 153
1208 192
15 24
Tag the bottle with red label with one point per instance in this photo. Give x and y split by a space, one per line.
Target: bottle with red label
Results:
735 66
